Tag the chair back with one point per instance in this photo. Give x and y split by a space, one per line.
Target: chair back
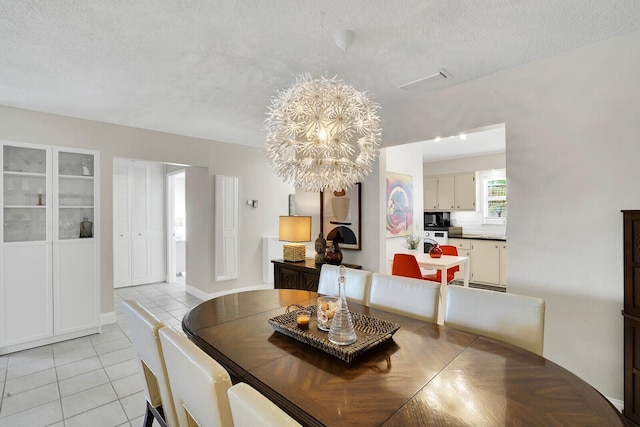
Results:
452 251
199 384
249 408
143 327
356 285
451 272
403 295
406 265
512 318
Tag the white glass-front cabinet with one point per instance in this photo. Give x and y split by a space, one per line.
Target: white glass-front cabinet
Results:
49 286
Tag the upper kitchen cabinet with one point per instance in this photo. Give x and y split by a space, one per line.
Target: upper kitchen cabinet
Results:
49 287
450 192
430 193
465 191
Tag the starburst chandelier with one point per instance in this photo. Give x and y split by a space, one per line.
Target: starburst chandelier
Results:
322 134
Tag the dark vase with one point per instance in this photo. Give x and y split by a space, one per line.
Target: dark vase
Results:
334 255
86 228
436 251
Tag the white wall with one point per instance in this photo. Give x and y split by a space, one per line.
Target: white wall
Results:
407 160
257 180
572 164
466 164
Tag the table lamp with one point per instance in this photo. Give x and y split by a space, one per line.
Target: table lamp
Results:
295 229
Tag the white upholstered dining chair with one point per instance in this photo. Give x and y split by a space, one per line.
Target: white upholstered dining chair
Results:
249 408
404 295
356 285
143 327
516 319
199 384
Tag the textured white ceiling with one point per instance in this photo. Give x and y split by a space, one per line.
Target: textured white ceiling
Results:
207 68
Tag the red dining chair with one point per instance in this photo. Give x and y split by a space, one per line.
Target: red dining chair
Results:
446 250
406 265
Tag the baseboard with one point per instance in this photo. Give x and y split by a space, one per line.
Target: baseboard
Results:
198 293
619 404
108 318
48 340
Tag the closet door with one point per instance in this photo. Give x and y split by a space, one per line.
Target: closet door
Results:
155 223
121 224
138 218
140 247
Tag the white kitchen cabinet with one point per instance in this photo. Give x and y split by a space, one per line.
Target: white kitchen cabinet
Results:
49 286
464 249
465 191
464 246
486 261
450 192
503 264
430 193
138 204
446 193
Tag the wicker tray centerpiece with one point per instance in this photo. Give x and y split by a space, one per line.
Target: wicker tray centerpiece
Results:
370 332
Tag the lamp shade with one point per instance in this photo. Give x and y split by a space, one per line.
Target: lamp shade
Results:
295 228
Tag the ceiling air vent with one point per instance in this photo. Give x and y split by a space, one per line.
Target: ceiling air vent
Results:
441 74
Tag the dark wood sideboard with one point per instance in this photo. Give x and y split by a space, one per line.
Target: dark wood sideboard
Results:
303 275
631 315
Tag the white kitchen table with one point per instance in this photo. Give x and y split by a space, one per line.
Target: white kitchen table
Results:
443 264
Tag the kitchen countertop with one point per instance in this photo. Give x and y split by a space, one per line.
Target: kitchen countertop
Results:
480 237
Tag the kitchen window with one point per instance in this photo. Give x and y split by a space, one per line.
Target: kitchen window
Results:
495 197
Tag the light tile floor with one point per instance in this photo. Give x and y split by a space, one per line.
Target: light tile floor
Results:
91 381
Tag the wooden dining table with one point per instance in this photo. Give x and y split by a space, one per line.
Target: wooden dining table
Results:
426 374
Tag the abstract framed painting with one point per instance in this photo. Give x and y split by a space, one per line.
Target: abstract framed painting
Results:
340 217
399 206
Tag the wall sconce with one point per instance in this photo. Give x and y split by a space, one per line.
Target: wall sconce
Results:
294 229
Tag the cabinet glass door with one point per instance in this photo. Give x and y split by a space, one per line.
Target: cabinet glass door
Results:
24 183
75 195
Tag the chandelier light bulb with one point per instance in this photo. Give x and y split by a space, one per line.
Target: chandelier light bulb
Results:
322 134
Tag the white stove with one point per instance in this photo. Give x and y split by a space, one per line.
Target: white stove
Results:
438 235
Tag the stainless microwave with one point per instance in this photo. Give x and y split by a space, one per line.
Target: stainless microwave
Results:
437 219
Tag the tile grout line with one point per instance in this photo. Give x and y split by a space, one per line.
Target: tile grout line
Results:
157 296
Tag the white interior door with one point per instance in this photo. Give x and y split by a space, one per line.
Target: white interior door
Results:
139 214
121 225
139 223
156 223
226 227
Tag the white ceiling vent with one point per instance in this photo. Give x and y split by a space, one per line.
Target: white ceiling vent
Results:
440 74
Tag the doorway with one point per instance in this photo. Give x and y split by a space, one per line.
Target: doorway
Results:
177 227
